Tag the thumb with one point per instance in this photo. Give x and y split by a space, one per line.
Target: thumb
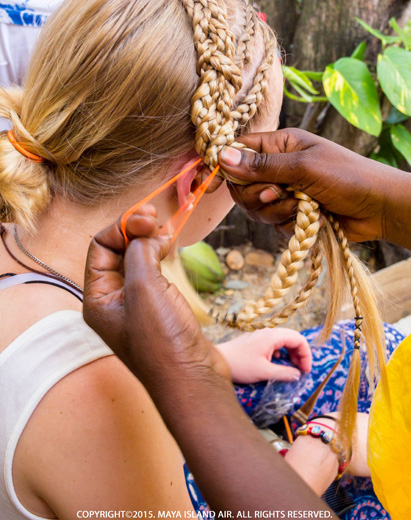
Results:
279 157
275 168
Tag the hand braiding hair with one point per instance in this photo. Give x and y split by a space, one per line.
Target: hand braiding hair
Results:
218 120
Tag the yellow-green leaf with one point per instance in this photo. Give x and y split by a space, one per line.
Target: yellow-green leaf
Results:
401 139
350 88
394 74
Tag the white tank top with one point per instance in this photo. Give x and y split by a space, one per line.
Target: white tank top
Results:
32 364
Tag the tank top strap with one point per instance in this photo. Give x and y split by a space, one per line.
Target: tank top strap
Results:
29 278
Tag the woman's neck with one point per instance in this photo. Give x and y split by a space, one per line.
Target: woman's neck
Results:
63 233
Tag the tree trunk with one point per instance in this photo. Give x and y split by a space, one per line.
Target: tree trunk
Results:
283 17
327 29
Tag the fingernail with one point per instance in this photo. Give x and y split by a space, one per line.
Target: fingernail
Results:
230 156
296 378
270 195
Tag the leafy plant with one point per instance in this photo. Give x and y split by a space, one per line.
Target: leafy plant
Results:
354 92
350 88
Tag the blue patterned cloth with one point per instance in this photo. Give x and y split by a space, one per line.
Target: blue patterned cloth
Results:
30 13
367 506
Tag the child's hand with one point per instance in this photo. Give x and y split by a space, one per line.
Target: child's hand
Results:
249 356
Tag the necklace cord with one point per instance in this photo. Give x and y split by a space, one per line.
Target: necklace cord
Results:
69 282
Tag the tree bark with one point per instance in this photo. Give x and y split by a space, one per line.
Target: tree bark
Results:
283 16
327 29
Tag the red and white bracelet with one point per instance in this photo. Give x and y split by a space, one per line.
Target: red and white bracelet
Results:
315 429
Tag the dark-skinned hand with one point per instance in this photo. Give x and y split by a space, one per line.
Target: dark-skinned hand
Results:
149 325
141 316
367 196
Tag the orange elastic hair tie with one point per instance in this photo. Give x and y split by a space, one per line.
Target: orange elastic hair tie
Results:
178 220
20 148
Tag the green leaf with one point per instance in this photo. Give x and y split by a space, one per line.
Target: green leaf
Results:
401 139
387 40
302 92
394 74
306 98
396 117
389 160
359 52
315 76
350 88
405 37
297 77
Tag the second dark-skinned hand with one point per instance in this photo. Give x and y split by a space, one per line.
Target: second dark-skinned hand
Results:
141 316
343 182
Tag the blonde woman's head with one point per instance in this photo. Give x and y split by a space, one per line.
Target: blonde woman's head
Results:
107 100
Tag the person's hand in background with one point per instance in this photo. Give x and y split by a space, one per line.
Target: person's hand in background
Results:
249 355
370 199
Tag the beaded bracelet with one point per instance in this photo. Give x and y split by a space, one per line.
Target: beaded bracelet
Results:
327 437
321 424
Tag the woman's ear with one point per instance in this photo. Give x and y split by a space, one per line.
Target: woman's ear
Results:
186 184
189 182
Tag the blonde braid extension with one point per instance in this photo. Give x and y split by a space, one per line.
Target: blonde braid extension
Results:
292 260
220 78
316 258
217 123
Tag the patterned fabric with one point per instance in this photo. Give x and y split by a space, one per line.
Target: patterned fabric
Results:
360 490
30 13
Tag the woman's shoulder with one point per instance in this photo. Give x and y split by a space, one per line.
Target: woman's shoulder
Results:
100 436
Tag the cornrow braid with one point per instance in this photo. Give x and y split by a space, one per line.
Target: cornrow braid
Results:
249 105
246 40
217 124
220 78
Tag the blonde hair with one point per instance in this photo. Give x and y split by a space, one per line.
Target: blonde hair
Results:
107 100
217 122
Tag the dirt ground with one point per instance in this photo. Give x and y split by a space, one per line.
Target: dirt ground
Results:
249 284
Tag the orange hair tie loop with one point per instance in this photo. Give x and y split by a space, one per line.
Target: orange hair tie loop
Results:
20 148
178 220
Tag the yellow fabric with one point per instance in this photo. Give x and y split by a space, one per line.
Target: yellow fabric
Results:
389 436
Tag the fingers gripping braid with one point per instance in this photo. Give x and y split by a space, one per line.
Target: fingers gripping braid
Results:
220 80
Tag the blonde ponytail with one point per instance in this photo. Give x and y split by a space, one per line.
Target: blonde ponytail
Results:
24 188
